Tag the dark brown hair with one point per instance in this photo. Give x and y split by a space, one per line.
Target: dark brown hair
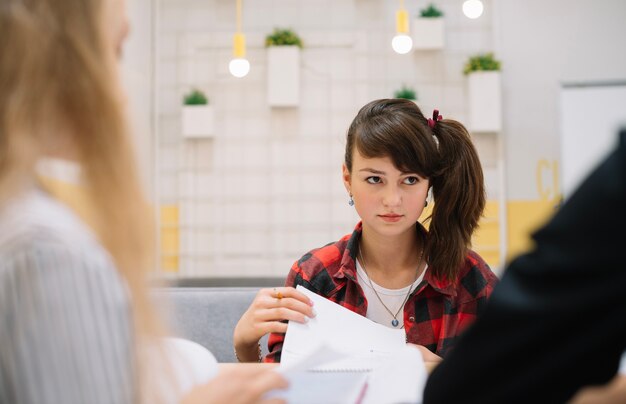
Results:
445 155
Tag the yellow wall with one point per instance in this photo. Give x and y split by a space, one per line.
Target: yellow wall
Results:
170 236
524 217
486 240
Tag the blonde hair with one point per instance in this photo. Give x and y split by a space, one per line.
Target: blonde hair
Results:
57 72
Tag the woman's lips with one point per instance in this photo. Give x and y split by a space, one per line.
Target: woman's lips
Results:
390 218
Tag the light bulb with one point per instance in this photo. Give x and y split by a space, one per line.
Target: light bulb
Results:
402 43
473 8
239 67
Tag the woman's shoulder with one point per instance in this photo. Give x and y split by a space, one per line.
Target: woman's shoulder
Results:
474 260
475 276
327 258
326 255
35 217
36 231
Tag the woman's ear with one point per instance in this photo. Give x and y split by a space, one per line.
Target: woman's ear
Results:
347 179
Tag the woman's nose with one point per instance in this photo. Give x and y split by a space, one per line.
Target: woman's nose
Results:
392 196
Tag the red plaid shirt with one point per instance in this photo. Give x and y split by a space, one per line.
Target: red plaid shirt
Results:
435 314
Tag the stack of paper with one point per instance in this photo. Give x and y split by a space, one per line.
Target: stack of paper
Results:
342 357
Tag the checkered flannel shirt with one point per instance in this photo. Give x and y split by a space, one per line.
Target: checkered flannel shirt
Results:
436 313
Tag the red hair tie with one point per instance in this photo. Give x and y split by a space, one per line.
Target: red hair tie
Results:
436 117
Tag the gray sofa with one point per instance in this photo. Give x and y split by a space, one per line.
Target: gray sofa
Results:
207 315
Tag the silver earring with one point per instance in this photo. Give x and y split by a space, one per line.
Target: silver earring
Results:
351 201
425 203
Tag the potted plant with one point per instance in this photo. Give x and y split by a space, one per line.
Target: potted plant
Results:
283 67
283 37
405 92
484 93
197 115
482 62
429 29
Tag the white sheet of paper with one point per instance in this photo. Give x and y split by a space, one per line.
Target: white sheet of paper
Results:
365 342
342 357
320 355
314 387
401 378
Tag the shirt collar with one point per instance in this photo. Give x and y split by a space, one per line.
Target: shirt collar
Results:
348 263
443 286
347 268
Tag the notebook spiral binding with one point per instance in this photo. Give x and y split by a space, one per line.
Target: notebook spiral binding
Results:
341 370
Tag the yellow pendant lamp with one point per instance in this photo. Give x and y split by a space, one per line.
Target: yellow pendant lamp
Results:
239 65
402 43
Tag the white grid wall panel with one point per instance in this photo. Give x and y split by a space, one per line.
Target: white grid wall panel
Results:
268 188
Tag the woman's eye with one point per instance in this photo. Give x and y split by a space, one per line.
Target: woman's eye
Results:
411 180
373 180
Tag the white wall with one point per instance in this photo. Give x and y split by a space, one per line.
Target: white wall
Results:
137 74
592 114
268 187
542 44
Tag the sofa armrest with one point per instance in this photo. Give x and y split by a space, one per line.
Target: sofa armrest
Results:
207 315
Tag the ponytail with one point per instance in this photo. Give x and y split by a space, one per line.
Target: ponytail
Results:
459 194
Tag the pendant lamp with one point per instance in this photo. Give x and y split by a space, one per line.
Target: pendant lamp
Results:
402 42
239 65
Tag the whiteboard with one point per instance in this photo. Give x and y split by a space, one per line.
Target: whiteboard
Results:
591 116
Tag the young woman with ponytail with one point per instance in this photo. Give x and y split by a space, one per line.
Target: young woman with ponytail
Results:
392 269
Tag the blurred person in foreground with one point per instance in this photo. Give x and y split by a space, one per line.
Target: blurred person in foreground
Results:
76 322
557 320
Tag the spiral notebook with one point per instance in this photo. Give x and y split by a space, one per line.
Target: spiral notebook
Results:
399 378
347 358
308 385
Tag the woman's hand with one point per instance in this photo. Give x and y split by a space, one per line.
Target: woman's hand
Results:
612 392
264 316
426 354
242 384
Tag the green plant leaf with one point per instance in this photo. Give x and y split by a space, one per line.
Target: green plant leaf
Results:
431 12
283 37
195 97
481 62
405 92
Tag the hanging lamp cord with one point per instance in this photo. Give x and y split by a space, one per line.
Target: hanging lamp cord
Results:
238 15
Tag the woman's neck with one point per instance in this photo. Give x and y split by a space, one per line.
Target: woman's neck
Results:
394 259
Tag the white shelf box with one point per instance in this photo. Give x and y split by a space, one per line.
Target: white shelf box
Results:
198 121
283 76
428 33
485 101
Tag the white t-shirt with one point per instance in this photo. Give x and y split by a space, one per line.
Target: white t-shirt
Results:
393 298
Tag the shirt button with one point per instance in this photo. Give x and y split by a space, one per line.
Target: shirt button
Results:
412 319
